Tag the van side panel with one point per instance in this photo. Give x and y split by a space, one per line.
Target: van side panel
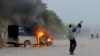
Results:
22 39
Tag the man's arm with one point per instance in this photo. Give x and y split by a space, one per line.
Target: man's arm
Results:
79 25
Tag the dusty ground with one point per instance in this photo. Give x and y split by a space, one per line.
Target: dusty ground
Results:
85 47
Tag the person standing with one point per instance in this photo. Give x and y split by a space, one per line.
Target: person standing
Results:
71 37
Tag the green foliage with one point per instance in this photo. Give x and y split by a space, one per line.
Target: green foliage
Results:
52 22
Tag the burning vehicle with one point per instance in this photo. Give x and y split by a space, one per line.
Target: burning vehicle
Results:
43 37
23 35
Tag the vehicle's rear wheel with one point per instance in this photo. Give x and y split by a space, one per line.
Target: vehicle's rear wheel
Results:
27 43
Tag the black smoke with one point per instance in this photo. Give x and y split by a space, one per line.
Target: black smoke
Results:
21 11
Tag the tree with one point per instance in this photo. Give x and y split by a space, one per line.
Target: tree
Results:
52 22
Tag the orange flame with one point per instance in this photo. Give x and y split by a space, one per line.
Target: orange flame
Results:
40 34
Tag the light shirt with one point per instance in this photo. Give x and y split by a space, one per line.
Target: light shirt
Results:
71 33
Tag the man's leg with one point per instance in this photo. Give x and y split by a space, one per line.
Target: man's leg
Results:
74 45
71 46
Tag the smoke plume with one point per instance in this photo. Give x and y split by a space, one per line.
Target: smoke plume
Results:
21 11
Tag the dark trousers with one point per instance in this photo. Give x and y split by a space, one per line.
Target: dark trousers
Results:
72 45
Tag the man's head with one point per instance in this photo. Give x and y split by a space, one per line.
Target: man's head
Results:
70 25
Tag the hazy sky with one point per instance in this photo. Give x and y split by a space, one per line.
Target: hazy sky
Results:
76 10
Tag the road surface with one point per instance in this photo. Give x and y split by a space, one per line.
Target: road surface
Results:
85 47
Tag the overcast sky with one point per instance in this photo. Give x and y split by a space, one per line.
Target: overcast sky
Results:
73 11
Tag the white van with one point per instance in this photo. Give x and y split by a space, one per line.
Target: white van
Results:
19 34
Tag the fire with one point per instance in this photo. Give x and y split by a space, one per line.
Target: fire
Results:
49 40
39 33
43 37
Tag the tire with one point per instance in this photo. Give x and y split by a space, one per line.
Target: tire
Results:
27 43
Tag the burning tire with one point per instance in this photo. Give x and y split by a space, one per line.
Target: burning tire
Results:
27 43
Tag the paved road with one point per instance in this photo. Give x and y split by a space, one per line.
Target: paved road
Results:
86 47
